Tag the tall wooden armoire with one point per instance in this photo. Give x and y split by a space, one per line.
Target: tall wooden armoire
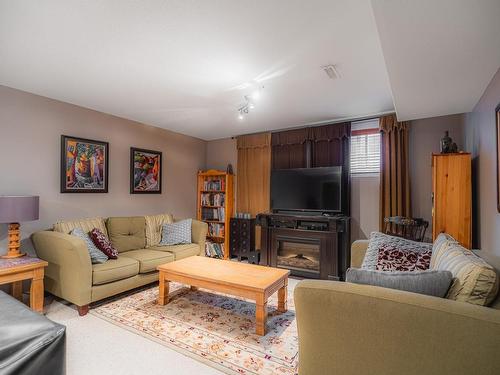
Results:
452 196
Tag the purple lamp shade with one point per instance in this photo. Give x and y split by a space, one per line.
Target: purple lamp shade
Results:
17 208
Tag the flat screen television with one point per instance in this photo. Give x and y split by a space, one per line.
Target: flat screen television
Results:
307 189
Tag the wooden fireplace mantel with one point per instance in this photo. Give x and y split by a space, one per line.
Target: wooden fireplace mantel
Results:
330 233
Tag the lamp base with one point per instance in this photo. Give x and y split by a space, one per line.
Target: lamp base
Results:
14 242
12 256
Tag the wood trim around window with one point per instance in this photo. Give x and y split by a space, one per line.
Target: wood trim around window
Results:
365 131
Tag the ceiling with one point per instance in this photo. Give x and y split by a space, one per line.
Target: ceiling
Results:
182 65
440 54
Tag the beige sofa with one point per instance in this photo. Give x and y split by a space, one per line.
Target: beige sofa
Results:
355 329
71 275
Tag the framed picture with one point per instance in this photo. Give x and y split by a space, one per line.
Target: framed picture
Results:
497 118
84 165
145 171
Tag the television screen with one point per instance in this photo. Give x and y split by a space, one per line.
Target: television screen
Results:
307 189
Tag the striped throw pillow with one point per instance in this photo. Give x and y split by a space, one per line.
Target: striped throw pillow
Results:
85 224
154 224
474 280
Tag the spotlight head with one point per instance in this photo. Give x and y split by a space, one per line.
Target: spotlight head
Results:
240 116
251 106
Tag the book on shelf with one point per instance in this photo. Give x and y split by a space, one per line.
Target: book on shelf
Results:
212 199
214 249
216 184
217 214
216 229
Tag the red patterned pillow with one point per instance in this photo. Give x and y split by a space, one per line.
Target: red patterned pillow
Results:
403 260
102 243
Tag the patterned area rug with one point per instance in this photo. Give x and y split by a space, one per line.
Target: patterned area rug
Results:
216 329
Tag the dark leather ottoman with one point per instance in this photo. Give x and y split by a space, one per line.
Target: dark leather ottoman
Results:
29 342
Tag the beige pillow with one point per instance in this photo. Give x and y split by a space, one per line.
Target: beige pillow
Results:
154 224
474 280
85 224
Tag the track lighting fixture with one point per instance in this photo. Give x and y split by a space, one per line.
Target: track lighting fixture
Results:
249 103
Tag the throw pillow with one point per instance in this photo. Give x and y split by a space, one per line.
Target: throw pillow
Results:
176 233
154 224
431 283
86 224
96 255
380 241
475 281
103 243
403 260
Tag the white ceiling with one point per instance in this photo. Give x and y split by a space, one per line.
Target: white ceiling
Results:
178 64
440 54
173 64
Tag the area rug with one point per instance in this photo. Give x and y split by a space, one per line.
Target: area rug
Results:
216 329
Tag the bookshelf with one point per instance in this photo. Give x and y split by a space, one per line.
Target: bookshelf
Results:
215 207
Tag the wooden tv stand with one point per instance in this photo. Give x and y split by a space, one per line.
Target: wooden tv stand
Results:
313 246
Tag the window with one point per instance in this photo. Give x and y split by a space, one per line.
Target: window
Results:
365 147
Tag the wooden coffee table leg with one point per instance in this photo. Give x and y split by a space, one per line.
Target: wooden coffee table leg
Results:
282 298
260 316
36 291
164 289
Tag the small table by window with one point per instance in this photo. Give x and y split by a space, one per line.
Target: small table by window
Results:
16 270
406 227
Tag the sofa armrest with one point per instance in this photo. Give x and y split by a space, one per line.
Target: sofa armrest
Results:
349 329
69 273
199 230
358 251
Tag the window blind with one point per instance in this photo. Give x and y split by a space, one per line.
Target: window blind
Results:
365 150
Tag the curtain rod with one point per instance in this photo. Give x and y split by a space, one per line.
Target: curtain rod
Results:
326 122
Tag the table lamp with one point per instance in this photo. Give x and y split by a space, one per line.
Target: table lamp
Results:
13 210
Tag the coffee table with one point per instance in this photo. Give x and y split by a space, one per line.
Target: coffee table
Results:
249 281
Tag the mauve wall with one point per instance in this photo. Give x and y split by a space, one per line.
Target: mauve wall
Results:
31 127
425 136
480 137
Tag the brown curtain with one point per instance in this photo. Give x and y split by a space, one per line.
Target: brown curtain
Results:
290 148
254 174
330 145
394 169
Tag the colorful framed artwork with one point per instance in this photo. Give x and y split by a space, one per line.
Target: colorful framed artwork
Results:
145 171
497 118
84 165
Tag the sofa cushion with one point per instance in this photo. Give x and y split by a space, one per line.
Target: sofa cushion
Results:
154 224
177 233
86 224
431 283
103 243
96 255
475 281
127 233
382 242
149 259
180 251
114 270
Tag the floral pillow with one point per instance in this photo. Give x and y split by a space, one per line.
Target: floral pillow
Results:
103 243
403 260
394 253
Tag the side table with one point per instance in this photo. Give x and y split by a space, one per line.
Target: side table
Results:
26 268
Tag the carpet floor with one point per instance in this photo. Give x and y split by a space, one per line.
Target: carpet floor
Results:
212 328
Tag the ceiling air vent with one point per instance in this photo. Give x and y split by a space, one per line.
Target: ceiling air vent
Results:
331 71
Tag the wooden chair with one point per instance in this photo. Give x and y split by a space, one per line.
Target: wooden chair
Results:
406 227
